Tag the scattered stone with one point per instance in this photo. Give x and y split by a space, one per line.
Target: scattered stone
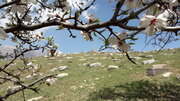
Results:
35 99
136 58
54 69
168 74
68 58
13 88
31 76
158 65
61 68
95 64
52 58
148 61
61 60
149 56
96 78
111 54
86 64
73 87
62 75
29 63
112 67
82 59
178 76
81 86
51 80
156 70
13 64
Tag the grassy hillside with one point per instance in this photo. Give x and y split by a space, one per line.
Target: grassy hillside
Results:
85 83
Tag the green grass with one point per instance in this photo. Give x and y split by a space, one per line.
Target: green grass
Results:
129 82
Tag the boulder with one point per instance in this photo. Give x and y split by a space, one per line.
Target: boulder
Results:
62 75
13 88
149 56
35 99
178 76
167 74
51 80
136 58
54 69
156 69
148 61
68 58
61 68
95 64
112 67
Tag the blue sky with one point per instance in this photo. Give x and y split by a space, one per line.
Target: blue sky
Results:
103 11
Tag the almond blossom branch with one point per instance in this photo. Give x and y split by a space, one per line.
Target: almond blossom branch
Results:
118 7
8 4
2 98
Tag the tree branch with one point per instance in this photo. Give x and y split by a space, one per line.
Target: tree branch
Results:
8 4
118 7
23 87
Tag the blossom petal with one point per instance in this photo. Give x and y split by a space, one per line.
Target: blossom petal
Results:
3 34
124 47
113 40
150 30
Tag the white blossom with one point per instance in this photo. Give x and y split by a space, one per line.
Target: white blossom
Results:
17 8
86 35
91 18
131 4
27 18
37 36
153 23
33 1
119 43
3 34
65 5
29 1
51 15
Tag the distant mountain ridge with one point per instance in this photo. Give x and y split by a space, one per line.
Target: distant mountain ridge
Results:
4 49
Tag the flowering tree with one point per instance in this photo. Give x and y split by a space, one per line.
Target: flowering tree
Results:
158 19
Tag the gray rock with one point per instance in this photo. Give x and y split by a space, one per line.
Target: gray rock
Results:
95 64
35 99
167 74
112 67
158 65
156 70
32 75
148 61
68 58
136 58
61 68
13 88
82 59
178 76
54 69
62 75
149 56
